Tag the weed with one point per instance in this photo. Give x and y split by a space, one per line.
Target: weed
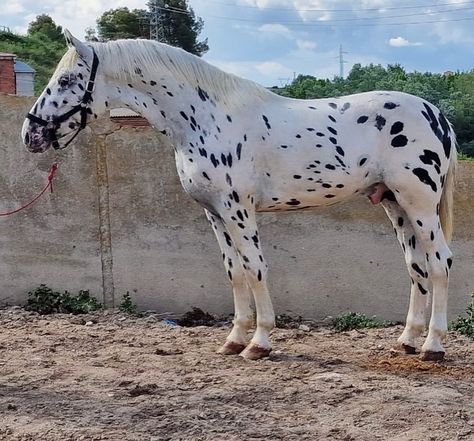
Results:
465 325
44 300
128 307
356 320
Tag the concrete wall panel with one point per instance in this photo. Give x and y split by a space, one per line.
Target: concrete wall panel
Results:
163 251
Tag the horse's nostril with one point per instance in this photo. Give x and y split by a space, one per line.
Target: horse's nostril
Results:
27 138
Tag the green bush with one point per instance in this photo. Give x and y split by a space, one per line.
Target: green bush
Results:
465 325
356 320
127 306
44 300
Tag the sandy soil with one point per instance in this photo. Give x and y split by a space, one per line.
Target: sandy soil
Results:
125 379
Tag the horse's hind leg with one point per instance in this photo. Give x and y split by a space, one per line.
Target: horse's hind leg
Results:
423 213
416 264
241 225
243 317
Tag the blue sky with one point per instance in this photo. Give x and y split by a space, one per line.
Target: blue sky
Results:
270 41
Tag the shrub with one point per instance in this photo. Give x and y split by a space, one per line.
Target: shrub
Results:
356 320
127 306
465 325
44 300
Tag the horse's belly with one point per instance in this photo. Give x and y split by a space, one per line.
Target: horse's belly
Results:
298 193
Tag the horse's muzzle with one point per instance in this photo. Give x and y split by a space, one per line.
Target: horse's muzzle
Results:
37 142
38 139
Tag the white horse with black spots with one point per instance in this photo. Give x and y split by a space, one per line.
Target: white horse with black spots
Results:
241 149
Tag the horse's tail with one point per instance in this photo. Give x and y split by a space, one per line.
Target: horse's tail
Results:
446 203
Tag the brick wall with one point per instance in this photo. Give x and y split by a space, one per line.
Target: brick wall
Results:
7 73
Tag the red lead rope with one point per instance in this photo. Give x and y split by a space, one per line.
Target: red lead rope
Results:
52 172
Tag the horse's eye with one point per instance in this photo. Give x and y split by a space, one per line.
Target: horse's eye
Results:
66 80
63 80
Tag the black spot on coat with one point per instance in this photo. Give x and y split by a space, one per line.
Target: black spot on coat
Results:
390 105
399 141
396 128
380 122
424 177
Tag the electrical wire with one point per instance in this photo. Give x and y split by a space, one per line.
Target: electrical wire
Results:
328 23
343 10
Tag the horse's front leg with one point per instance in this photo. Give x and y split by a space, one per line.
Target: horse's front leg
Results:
243 317
241 226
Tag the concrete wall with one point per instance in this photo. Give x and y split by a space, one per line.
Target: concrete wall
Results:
119 221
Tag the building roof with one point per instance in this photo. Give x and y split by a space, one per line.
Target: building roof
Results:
127 117
21 67
119 112
7 55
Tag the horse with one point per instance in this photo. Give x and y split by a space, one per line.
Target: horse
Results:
241 149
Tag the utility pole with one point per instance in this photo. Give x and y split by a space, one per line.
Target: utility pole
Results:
341 61
155 15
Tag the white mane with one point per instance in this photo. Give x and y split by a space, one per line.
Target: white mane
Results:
121 58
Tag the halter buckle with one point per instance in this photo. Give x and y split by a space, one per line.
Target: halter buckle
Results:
90 86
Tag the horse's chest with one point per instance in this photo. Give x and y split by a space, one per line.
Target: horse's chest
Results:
197 177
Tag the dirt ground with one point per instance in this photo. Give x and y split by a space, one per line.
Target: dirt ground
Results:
109 377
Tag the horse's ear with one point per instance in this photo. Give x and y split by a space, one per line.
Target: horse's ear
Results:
82 49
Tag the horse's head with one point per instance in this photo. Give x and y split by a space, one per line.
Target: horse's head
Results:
67 102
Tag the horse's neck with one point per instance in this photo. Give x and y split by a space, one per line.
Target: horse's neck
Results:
160 101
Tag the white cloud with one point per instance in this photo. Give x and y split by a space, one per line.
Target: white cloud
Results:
75 15
402 42
275 29
273 68
13 7
459 34
306 45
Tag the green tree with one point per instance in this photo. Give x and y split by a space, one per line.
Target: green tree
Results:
44 24
41 48
122 23
179 26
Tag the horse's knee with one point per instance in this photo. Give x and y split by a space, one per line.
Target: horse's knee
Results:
243 322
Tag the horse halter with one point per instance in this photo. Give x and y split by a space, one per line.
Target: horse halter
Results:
54 123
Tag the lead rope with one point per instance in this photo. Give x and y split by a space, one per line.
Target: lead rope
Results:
52 172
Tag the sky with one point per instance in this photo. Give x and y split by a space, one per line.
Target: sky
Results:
271 41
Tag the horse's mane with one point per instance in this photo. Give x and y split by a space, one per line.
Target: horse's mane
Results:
121 59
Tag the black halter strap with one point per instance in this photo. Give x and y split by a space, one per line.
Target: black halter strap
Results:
53 124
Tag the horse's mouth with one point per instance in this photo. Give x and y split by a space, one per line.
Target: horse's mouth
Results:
35 142
38 147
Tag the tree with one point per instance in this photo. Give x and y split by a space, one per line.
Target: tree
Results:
181 28
45 25
178 25
41 48
122 23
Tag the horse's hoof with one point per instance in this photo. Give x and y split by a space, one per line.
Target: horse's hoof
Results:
410 350
255 352
432 356
231 348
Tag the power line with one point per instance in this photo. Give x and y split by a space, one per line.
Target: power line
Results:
343 10
328 23
322 24
375 18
